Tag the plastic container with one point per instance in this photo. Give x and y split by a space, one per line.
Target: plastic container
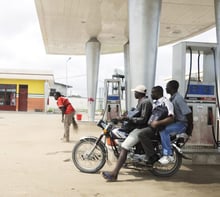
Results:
78 116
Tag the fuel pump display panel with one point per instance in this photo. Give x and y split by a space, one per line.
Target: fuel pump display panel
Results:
201 92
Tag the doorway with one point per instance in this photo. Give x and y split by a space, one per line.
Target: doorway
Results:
23 98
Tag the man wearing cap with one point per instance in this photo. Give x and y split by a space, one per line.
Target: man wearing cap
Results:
144 107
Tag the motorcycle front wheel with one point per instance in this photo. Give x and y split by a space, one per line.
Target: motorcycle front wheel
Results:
169 169
88 156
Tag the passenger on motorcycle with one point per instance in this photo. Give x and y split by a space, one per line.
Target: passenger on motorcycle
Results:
147 134
183 120
144 106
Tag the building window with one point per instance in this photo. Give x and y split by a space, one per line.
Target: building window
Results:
7 95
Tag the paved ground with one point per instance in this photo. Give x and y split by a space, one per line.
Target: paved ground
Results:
35 163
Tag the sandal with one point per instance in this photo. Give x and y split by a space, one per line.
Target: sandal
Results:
108 177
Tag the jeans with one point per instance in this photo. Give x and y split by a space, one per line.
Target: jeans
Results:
173 128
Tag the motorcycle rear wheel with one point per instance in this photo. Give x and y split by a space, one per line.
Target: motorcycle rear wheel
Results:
169 169
87 161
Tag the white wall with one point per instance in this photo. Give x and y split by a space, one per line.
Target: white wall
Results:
80 104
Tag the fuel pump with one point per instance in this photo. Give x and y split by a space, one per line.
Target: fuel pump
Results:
112 99
197 84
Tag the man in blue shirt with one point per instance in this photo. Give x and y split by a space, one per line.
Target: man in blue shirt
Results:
182 120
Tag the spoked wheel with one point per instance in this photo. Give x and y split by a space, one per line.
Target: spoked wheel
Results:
89 157
169 169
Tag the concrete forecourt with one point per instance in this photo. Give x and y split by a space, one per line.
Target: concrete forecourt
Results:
34 162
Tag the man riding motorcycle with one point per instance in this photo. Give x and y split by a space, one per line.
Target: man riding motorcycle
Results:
147 134
144 107
91 153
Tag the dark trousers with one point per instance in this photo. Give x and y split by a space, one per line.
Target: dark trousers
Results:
145 137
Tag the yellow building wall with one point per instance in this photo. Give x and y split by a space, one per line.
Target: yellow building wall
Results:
34 86
36 97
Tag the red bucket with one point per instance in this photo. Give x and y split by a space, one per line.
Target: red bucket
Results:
78 116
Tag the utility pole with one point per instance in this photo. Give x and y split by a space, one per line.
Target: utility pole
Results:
67 75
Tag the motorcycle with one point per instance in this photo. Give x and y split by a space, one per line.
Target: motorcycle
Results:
90 154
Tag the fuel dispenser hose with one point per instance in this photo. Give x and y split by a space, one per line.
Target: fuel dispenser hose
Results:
190 71
216 83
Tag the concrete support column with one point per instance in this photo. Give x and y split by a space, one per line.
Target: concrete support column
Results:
217 21
144 20
127 76
46 95
93 47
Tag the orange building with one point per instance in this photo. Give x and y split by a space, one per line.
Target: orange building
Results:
25 90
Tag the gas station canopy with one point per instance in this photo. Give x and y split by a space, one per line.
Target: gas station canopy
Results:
66 25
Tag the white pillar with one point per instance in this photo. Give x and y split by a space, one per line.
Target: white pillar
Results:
217 54
46 95
93 47
217 19
127 77
144 20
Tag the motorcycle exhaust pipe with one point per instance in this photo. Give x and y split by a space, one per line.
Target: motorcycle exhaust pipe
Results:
180 152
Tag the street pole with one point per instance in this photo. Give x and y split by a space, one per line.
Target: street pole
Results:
67 75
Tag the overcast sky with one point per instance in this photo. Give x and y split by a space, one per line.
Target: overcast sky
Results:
21 47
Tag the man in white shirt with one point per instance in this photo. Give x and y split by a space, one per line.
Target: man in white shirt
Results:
155 124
